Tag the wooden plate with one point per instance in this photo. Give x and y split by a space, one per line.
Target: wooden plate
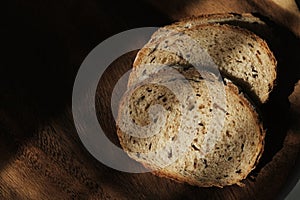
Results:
42 156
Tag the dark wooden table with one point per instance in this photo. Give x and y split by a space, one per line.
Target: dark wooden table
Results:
43 45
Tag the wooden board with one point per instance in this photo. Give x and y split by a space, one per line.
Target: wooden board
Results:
41 154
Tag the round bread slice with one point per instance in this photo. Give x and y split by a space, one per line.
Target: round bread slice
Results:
239 54
210 134
264 28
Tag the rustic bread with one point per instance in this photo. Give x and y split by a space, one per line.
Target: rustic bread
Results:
203 139
183 120
239 54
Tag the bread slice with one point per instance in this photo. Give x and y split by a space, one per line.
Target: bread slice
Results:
210 134
239 54
264 28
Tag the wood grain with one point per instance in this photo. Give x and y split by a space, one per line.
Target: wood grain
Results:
41 154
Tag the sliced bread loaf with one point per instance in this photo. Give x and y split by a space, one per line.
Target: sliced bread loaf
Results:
239 54
209 134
